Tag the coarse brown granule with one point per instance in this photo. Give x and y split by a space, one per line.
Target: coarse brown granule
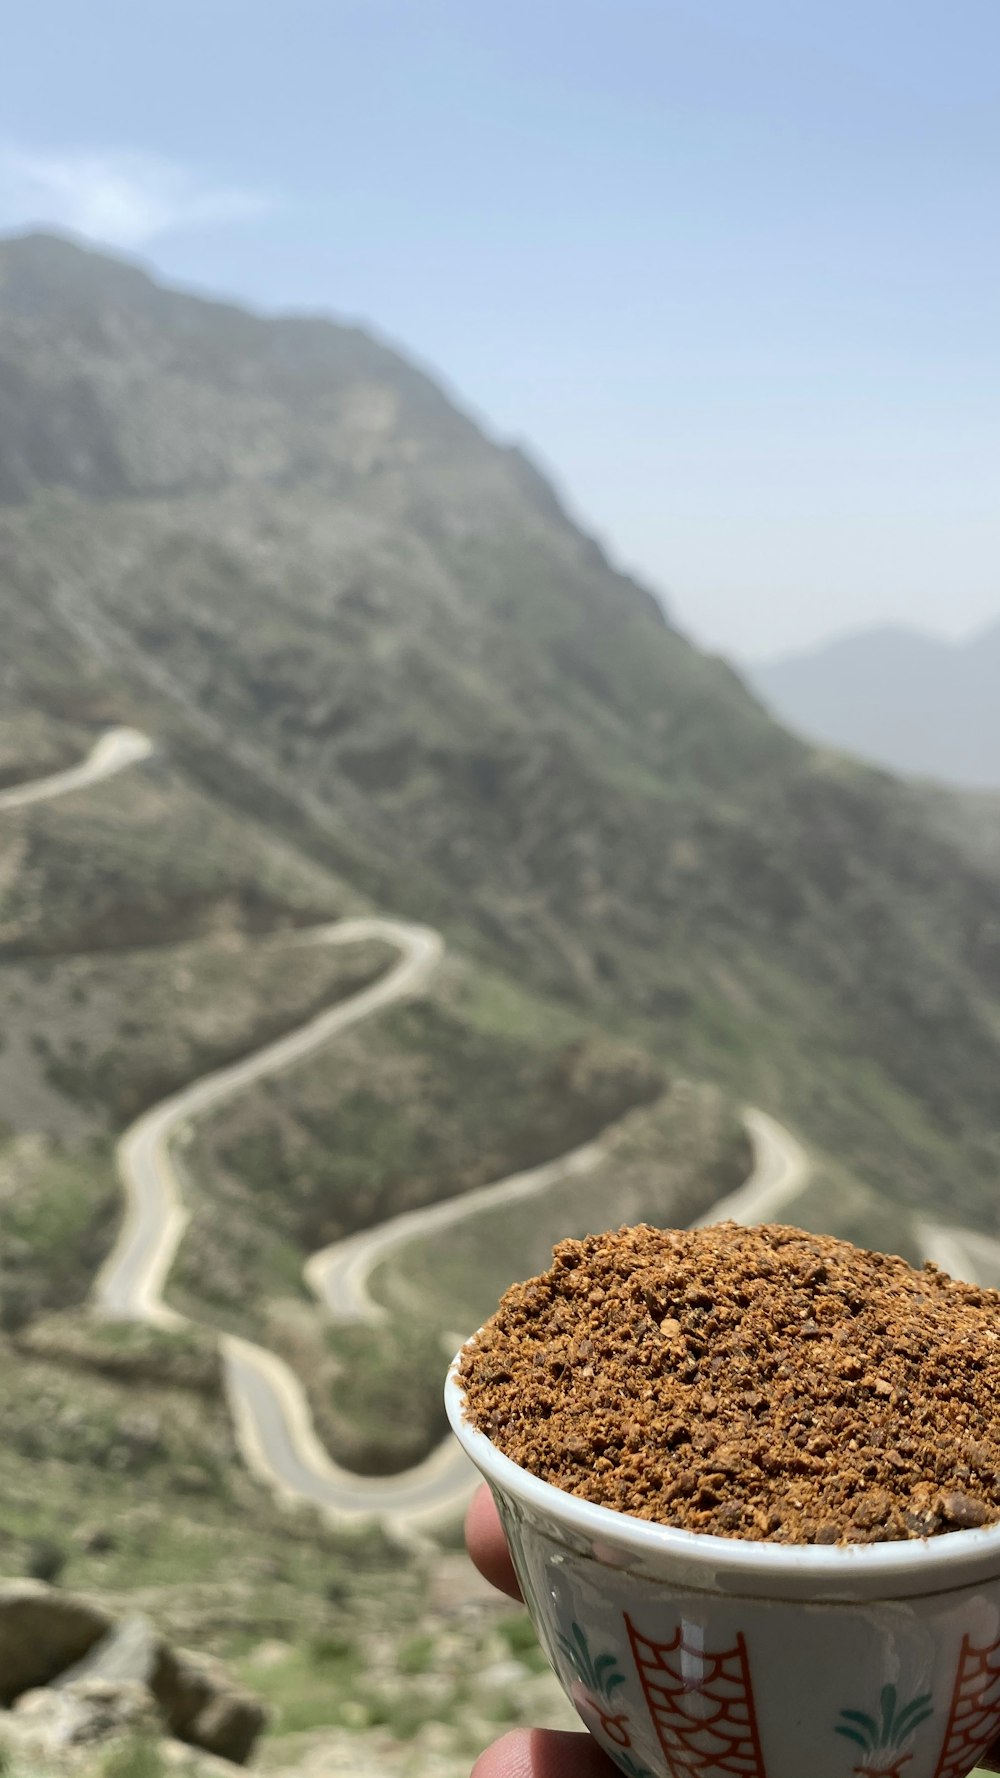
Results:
758 1383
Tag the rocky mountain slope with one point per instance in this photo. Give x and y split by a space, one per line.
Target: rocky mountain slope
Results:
354 617
383 669
908 701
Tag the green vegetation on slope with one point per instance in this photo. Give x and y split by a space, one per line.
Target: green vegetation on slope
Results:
143 858
33 745
59 1209
115 1031
474 1081
91 1041
968 820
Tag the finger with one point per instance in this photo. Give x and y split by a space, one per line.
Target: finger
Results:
488 1545
544 1753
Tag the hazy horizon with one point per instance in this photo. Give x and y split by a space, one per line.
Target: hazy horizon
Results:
732 281
958 639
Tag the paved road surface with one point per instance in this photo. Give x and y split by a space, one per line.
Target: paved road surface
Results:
118 748
781 1168
964 1253
278 1441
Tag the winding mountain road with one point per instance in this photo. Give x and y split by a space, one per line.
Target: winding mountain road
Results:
780 1170
131 1281
118 748
270 1412
278 1440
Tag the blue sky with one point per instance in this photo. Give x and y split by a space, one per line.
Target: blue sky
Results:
732 272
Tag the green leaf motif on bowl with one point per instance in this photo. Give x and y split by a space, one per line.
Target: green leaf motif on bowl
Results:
882 1738
602 1675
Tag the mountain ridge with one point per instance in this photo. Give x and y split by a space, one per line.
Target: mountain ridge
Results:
53 278
909 701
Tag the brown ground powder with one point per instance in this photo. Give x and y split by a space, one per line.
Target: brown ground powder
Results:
757 1383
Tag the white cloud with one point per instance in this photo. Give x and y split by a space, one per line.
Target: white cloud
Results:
122 200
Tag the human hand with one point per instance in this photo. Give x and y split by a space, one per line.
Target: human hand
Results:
525 1753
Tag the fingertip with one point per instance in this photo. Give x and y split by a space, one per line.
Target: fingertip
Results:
487 1544
507 1758
541 1753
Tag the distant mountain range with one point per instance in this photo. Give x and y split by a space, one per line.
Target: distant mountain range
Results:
900 698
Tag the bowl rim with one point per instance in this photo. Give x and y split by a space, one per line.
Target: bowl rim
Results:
929 1559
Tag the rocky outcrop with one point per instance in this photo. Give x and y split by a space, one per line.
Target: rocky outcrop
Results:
43 1633
79 1675
202 1705
88 1711
72 1733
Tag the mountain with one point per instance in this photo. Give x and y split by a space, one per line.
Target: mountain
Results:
383 671
352 616
902 699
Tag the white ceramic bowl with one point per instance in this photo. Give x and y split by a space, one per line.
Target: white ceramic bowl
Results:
690 1656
